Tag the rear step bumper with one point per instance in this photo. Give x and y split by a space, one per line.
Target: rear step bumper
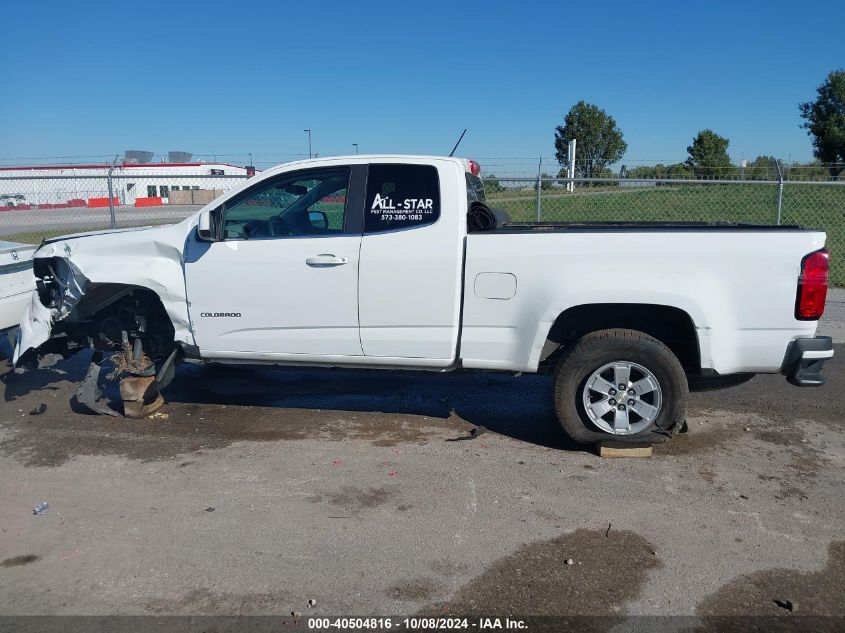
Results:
804 360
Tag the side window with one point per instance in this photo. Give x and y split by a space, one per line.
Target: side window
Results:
303 203
151 191
401 196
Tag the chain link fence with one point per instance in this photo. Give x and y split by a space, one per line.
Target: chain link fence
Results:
36 207
813 204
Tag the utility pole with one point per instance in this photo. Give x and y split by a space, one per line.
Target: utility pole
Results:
309 143
780 191
570 186
111 194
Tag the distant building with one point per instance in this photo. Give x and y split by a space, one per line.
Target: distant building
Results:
70 185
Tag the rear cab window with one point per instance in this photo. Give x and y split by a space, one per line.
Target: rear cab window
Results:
475 189
401 196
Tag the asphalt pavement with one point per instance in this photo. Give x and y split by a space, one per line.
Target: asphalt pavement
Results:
255 491
83 218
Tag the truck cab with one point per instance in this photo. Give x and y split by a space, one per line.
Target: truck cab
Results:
336 262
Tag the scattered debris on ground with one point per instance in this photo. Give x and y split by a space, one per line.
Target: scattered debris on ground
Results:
785 604
474 433
18 561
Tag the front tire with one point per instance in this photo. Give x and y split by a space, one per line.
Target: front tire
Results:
620 385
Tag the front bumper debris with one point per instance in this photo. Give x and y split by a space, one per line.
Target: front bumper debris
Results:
804 360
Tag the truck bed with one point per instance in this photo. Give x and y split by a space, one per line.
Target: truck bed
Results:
736 282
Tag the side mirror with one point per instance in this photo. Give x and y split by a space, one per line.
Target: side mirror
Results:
204 227
318 219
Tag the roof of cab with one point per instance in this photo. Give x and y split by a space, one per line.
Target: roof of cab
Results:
363 158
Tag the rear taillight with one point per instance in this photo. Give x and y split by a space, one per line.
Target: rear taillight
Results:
812 286
474 168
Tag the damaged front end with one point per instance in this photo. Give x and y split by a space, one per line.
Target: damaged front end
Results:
52 300
124 324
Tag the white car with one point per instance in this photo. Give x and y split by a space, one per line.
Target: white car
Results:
13 200
394 262
16 282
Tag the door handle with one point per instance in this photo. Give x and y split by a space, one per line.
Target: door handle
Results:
326 260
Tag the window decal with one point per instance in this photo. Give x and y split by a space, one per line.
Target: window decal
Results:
401 196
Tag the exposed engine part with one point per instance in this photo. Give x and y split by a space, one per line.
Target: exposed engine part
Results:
107 318
141 394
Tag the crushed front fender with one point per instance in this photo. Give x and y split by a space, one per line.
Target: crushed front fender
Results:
35 327
49 304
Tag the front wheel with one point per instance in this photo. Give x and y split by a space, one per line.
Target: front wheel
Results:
620 385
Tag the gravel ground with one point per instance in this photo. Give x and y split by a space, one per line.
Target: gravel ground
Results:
255 491
833 321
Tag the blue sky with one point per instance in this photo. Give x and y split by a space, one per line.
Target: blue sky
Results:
91 78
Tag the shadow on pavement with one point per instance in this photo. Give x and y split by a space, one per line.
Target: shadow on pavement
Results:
518 407
221 404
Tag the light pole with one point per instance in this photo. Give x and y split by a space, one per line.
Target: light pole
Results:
355 145
309 143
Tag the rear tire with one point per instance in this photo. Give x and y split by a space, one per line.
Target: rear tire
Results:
589 404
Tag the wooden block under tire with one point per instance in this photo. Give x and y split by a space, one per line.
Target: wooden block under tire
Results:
621 449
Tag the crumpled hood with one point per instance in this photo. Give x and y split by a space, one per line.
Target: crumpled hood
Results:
147 257
103 244
73 236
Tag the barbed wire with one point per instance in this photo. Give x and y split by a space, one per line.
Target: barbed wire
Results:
515 166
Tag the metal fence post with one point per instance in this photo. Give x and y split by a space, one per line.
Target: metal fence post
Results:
780 191
539 187
111 194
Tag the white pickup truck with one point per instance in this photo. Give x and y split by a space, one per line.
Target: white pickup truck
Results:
369 261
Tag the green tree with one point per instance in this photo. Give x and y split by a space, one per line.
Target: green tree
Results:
708 155
545 181
824 120
677 170
600 141
492 184
808 171
761 168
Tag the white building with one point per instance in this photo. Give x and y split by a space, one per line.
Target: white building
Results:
70 185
